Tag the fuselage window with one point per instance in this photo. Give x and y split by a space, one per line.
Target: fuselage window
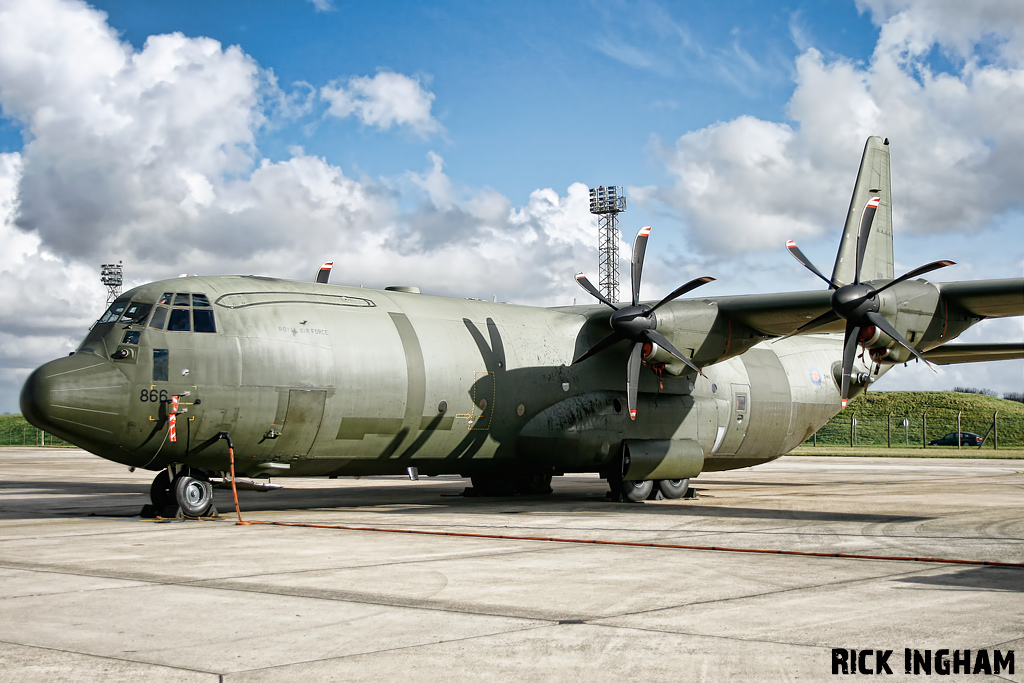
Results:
179 321
741 403
131 337
181 300
160 364
203 320
159 317
114 312
136 313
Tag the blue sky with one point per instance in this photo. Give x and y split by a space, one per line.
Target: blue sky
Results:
450 144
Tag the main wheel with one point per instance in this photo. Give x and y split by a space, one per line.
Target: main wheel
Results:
636 491
193 492
489 485
533 484
161 492
674 488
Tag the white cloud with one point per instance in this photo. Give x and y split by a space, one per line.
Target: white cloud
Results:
383 101
958 155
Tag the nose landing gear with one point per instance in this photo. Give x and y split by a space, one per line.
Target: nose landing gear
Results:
188 493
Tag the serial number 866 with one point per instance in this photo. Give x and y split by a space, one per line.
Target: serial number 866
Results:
154 396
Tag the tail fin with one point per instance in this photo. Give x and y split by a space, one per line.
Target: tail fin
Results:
872 181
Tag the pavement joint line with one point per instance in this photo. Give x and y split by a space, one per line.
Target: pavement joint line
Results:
227 584
693 634
794 589
138 662
393 649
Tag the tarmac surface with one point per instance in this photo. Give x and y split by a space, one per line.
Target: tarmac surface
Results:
90 591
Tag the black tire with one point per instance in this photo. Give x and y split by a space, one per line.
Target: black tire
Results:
489 486
674 488
161 493
193 492
533 484
637 491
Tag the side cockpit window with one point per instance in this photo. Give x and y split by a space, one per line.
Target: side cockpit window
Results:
114 312
183 312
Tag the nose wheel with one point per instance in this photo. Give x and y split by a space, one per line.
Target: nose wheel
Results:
188 492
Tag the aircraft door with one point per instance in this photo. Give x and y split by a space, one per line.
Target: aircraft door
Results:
302 421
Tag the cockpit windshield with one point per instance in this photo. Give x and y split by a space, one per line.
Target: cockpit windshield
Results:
114 312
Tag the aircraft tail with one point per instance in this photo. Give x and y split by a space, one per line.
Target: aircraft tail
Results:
872 181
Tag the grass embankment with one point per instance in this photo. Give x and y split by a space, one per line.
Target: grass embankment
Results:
929 415
16 431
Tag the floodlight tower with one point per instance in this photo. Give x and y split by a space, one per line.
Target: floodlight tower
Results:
607 203
111 275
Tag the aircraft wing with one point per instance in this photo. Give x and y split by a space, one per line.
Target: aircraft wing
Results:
950 354
986 298
775 315
781 314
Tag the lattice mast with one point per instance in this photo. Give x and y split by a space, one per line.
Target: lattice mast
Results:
607 203
112 276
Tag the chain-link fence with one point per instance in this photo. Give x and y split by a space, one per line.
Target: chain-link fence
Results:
30 436
917 430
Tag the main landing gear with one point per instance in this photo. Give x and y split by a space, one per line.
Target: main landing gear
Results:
647 489
188 491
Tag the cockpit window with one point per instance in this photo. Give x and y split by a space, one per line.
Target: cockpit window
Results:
136 313
203 320
179 321
190 312
114 312
159 316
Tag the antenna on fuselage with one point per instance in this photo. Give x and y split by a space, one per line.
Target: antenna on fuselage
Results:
112 276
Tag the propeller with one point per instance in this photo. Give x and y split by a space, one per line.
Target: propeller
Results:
637 322
858 303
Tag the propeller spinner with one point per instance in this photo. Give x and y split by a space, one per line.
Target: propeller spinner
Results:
636 322
858 303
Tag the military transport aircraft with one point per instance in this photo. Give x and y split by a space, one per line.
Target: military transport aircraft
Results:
313 379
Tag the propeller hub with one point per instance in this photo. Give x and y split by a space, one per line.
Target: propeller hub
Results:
632 321
854 302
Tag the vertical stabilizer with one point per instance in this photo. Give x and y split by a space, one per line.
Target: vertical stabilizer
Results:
872 181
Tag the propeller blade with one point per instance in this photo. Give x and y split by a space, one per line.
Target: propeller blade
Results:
689 286
866 219
799 256
659 339
610 340
587 285
325 273
879 321
633 377
934 265
636 266
849 351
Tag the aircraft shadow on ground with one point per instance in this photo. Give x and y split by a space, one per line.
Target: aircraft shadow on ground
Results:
982 579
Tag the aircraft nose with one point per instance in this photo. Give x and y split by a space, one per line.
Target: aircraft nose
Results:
80 398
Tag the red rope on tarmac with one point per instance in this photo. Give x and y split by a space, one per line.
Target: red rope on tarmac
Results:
636 544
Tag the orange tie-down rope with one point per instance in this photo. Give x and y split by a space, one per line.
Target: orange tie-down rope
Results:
552 539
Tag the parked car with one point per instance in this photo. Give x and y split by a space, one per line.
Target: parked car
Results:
966 439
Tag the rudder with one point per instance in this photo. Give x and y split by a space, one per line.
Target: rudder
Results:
872 181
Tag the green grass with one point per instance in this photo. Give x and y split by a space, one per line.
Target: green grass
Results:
16 431
881 414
